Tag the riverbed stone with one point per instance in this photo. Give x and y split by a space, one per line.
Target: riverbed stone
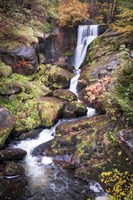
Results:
13 170
30 134
12 154
10 88
13 189
65 95
7 123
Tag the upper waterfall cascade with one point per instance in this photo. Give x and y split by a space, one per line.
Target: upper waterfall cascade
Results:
86 34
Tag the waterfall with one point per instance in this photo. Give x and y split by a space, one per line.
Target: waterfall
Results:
86 34
47 181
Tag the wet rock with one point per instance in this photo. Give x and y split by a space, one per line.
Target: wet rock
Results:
12 154
42 149
7 123
5 70
3 185
23 59
74 109
31 134
13 170
13 189
125 139
10 88
2 170
65 95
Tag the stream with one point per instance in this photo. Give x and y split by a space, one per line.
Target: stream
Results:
46 180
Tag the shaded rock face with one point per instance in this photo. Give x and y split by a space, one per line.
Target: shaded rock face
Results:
23 59
58 43
125 139
7 123
9 88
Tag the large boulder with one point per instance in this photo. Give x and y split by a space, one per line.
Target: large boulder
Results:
7 123
59 77
41 112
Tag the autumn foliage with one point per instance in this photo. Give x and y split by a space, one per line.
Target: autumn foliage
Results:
98 88
72 11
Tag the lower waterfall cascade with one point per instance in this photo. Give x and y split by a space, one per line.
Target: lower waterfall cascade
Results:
47 181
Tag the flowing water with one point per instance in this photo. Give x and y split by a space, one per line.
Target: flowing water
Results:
47 181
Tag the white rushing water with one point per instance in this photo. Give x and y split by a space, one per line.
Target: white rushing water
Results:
35 166
86 34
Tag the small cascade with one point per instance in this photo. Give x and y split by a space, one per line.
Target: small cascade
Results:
86 34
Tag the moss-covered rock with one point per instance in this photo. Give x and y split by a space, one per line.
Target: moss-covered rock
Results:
39 112
7 123
65 95
10 88
74 109
5 70
53 76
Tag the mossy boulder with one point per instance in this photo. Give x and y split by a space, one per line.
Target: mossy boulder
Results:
5 70
74 109
7 123
42 112
90 142
10 88
59 77
53 76
65 95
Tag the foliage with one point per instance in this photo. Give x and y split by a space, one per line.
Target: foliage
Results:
124 89
98 88
118 184
124 20
72 11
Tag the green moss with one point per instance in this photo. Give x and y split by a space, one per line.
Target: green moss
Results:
4 133
5 70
